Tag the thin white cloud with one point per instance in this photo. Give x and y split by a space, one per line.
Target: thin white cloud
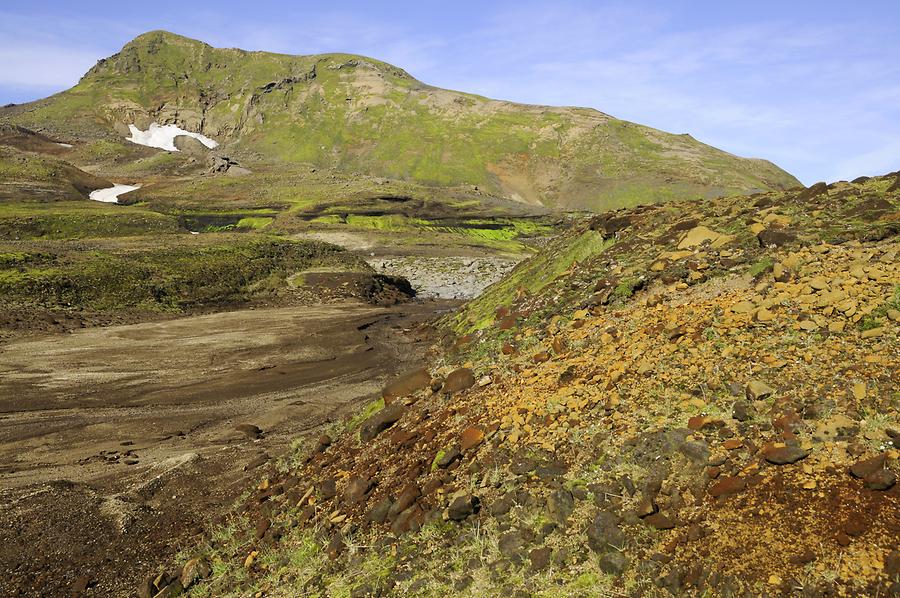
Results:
43 66
881 160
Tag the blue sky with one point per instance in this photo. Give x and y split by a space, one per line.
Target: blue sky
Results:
812 86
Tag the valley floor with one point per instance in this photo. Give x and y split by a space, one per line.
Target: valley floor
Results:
117 444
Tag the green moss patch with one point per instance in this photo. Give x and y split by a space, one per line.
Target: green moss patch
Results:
531 276
193 272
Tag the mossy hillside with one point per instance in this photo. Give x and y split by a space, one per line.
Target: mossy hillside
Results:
484 147
305 190
21 166
499 229
531 276
28 176
141 274
507 236
80 220
356 114
308 200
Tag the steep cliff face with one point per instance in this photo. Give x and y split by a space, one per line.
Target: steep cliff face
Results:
358 114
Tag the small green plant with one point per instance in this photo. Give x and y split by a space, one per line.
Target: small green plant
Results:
368 411
878 315
440 455
710 334
625 289
870 322
760 266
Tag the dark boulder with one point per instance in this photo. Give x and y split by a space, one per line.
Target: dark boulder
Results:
604 533
463 506
381 421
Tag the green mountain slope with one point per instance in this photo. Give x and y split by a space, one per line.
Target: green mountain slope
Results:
361 115
28 176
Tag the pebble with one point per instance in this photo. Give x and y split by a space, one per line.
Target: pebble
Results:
613 563
540 558
757 390
728 486
470 438
459 380
463 506
883 479
659 521
784 455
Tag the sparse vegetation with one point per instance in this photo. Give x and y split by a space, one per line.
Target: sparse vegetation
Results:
189 272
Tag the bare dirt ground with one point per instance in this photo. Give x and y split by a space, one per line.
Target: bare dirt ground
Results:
118 444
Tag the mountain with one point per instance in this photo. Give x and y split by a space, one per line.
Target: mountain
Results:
360 115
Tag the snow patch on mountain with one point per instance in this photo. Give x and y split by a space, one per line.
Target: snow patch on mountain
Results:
163 137
111 194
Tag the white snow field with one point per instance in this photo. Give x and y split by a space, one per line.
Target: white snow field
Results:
163 137
111 194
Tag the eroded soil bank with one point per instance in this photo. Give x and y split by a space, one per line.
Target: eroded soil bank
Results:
118 444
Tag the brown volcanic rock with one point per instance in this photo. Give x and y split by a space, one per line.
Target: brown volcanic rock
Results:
405 385
540 357
470 438
659 521
783 455
381 421
463 506
458 380
728 486
866 467
883 479
406 499
357 489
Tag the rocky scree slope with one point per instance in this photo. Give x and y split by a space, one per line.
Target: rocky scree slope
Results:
692 399
361 115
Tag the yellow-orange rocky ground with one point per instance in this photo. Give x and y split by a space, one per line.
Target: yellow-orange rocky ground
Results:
708 405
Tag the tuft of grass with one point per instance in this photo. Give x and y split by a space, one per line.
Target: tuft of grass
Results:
254 222
368 411
876 318
625 289
761 266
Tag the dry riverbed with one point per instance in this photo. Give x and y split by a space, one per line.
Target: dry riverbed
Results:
445 277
